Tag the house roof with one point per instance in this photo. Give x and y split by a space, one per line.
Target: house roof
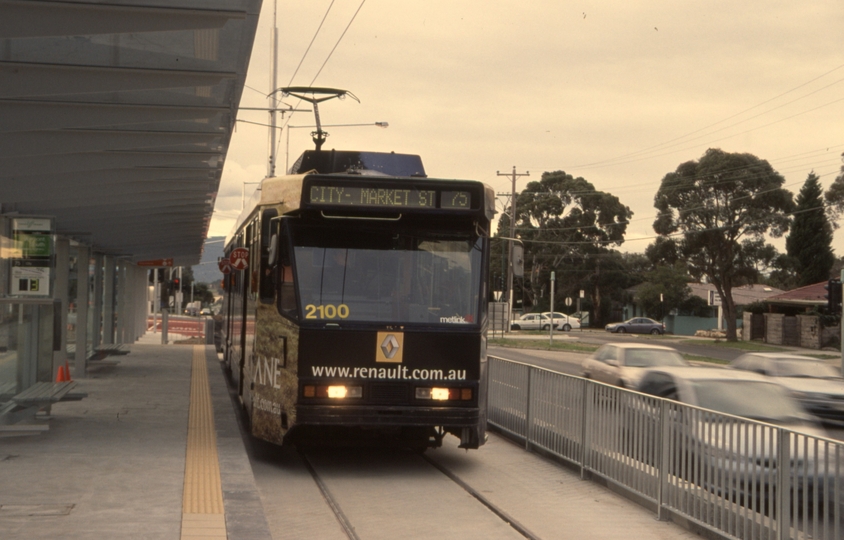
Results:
744 295
810 295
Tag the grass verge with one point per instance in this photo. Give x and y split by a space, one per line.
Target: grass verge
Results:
543 345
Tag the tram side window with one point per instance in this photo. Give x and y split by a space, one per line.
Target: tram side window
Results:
267 284
284 269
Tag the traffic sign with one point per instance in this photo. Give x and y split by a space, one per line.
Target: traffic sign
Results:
225 266
568 300
239 259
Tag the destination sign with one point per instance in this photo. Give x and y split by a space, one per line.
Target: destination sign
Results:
389 197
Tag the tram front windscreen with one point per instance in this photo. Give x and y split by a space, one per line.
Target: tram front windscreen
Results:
388 276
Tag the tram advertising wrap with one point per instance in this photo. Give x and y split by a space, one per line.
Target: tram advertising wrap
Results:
363 304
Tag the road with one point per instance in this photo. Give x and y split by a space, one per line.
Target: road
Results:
684 344
569 362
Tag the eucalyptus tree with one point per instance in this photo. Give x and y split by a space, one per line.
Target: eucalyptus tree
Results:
711 206
568 226
834 198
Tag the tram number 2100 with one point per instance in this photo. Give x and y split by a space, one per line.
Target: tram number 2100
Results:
328 311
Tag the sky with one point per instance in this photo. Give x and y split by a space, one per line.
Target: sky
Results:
618 92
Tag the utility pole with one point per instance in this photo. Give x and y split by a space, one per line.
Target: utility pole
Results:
509 293
273 96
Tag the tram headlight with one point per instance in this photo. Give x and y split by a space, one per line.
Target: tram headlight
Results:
440 394
444 394
334 391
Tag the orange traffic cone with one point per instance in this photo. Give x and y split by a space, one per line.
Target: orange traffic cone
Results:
60 376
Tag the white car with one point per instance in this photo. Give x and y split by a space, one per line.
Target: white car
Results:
623 364
818 386
532 321
742 456
563 321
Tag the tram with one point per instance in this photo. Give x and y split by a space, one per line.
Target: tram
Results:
357 298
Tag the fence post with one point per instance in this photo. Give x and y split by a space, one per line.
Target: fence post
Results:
783 484
585 422
528 419
662 458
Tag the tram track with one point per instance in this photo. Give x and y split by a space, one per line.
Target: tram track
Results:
507 518
332 503
349 528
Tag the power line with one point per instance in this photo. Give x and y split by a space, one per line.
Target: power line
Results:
679 140
319 28
338 41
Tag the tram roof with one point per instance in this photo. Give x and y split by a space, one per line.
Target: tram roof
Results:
287 190
117 117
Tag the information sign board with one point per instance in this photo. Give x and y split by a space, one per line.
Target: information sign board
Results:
32 256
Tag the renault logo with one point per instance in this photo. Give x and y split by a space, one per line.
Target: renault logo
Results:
390 347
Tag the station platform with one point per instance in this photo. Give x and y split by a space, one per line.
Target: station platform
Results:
155 451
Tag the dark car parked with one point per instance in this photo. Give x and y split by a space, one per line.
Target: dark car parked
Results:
637 325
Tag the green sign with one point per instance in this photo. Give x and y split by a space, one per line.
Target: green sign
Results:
34 244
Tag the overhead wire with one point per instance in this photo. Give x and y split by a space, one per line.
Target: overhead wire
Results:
319 28
325 62
338 41
658 147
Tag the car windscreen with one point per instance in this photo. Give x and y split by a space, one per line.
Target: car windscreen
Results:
388 276
757 400
652 357
805 368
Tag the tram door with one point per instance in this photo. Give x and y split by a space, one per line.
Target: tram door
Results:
243 293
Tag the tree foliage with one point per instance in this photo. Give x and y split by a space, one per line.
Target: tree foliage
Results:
665 289
567 226
834 197
809 243
716 203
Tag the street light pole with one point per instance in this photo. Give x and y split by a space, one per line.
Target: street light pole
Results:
273 96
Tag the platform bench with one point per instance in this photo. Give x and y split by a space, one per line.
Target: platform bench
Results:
27 403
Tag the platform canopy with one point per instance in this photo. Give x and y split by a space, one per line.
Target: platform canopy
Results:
116 116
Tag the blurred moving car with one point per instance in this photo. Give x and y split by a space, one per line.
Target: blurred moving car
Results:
817 385
532 321
206 311
744 452
637 325
562 321
623 364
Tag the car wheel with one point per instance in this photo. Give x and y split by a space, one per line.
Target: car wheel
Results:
546 327
566 327
655 331
621 330
515 327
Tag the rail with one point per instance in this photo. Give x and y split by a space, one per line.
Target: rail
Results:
736 477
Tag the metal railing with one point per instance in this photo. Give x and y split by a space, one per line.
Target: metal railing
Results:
738 477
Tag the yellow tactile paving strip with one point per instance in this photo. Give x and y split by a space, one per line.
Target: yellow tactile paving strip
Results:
202 499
